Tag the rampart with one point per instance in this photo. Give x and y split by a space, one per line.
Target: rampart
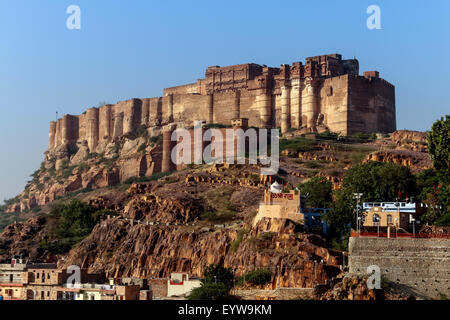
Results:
324 93
415 266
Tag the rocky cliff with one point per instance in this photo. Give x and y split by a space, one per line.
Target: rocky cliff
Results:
151 251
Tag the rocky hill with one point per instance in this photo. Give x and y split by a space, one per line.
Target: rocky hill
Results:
188 219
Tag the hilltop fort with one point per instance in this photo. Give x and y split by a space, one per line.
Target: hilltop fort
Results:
324 93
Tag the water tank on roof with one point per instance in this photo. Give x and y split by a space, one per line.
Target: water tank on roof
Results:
275 187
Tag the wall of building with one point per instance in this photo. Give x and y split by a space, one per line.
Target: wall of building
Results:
324 93
183 288
371 105
417 266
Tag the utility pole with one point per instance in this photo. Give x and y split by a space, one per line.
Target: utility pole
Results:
357 196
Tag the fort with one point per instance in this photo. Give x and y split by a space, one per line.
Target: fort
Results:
323 93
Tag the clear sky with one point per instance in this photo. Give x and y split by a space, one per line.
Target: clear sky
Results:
128 49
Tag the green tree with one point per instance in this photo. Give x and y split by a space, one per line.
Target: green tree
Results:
318 191
256 277
435 193
209 291
218 274
71 223
377 181
215 285
439 143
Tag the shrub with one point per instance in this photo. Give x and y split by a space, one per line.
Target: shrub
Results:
142 131
71 222
258 277
142 148
298 144
209 291
235 244
156 140
319 192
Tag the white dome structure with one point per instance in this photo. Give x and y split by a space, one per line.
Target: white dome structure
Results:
275 187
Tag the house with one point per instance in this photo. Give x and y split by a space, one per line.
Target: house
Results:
392 214
180 285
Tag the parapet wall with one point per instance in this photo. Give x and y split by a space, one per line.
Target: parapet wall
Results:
415 266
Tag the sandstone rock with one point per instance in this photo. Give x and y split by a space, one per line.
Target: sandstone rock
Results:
417 161
80 156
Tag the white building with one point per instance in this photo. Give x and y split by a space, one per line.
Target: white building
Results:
179 284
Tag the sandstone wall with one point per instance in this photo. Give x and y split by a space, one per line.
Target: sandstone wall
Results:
371 106
417 266
334 103
325 93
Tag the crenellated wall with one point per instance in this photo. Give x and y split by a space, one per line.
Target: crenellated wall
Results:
324 93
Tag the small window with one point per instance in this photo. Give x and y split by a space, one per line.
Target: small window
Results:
389 218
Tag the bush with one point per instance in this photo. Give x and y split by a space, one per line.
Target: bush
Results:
235 244
71 223
327 135
142 131
215 285
67 172
298 144
216 273
258 277
209 291
318 191
364 136
142 148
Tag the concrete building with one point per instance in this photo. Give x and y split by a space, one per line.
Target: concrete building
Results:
281 205
22 280
99 292
392 214
180 285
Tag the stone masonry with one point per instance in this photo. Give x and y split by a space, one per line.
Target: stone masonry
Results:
324 93
416 266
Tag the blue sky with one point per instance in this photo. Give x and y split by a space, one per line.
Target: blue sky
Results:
136 48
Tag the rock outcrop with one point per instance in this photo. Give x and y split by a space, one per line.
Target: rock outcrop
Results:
417 161
151 251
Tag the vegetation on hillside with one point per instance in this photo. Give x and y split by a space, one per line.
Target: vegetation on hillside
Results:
435 183
216 284
377 181
318 192
258 277
70 223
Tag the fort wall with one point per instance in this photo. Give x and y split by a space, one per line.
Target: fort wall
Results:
324 93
